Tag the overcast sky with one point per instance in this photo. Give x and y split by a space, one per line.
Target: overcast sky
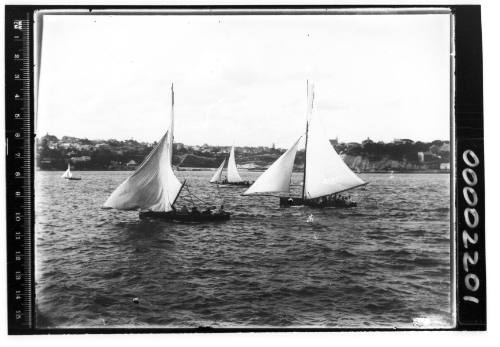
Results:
242 79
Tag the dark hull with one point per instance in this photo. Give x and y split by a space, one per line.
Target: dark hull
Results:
187 218
73 178
233 184
285 202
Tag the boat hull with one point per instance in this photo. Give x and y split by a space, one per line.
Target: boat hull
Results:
289 202
186 217
73 178
233 184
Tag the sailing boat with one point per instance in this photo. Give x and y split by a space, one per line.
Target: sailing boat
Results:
153 188
68 175
233 177
325 173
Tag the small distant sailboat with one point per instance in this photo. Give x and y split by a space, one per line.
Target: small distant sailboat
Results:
233 177
217 177
153 188
325 173
69 176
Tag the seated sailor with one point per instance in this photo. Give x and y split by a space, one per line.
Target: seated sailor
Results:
221 209
184 210
207 211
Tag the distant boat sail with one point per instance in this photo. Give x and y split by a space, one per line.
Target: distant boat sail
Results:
154 186
233 177
68 175
232 171
218 173
325 173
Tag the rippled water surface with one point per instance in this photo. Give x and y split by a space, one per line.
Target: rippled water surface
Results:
385 263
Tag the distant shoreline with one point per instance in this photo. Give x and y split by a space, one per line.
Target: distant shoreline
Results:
262 170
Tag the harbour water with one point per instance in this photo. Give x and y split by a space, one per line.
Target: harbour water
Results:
385 263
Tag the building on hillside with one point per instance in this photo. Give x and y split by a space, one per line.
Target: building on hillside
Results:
178 146
421 157
351 145
444 166
403 141
132 164
102 145
444 150
427 157
368 141
83 158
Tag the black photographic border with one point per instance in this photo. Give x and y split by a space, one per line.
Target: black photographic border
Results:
467 174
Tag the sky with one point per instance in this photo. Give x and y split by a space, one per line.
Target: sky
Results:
241 80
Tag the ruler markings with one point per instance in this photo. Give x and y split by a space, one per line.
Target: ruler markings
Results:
19 170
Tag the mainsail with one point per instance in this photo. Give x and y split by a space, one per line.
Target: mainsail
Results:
276 179
325 172
153 186
67 173
232 170
218 173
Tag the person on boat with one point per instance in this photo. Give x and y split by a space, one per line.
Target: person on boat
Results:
194 210
184 209
221 210
290 201
207 211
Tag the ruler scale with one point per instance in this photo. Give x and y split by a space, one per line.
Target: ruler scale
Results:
19 168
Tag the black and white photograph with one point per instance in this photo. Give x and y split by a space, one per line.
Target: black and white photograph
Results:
250 169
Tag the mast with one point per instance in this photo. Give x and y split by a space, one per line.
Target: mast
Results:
179 193
305 163
171 120
305 150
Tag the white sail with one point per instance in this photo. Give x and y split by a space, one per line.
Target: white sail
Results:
67 173
326 173
218 173
232 170
276 179
153 186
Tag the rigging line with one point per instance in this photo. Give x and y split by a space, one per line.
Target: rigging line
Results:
194 196
219 195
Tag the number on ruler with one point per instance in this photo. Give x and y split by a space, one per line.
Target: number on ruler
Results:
18 24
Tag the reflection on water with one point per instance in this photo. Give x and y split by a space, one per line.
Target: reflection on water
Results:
384 263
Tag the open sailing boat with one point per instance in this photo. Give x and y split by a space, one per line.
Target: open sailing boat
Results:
68 175
233 177
153 188
325 173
